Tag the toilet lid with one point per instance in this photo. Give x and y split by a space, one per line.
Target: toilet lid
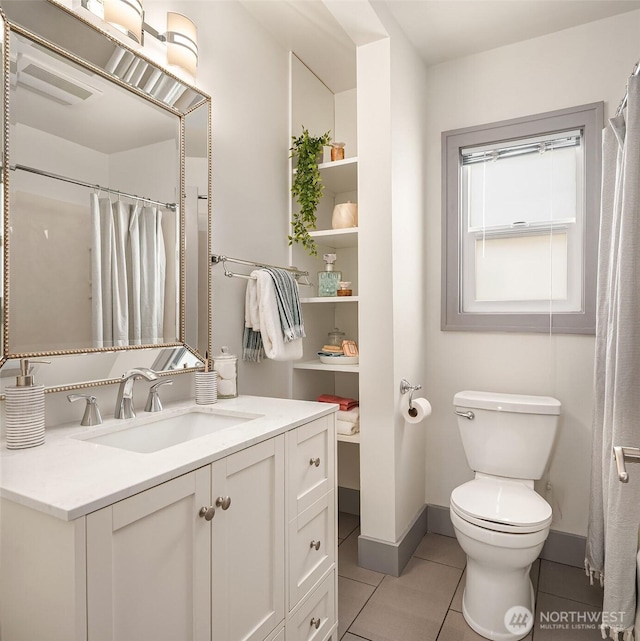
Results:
501 505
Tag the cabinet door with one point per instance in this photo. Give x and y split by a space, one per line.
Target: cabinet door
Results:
148 564
248 543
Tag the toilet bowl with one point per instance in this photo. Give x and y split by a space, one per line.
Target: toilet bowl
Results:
499 554
499 520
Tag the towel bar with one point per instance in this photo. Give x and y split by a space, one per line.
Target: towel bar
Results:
216 258
623 454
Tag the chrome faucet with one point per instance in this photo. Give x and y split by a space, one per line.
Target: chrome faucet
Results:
124 402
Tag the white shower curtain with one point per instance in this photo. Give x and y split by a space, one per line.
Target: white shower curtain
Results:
128 265
614 518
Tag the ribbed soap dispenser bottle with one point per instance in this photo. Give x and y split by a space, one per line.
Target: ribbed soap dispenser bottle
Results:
24 410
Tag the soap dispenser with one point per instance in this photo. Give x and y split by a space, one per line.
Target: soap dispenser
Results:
328 279
24 408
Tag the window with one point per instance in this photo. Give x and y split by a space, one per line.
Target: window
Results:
520 223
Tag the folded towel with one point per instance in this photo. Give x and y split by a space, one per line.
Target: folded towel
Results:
345 427
288 300
252 347
350 416
268 321
345 403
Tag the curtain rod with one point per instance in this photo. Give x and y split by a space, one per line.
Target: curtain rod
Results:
217 258
623 102
40 172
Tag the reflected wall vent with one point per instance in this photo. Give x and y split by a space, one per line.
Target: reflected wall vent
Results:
37 77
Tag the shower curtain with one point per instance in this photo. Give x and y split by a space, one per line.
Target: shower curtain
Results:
128 265
614 518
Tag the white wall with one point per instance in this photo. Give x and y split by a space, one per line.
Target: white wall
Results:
346 118
391 138
577 66
408 139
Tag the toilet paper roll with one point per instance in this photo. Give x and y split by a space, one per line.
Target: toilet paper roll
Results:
421 408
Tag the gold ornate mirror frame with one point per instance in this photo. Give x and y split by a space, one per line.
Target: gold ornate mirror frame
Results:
30 23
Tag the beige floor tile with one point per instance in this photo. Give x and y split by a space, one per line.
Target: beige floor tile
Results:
347 523
455 628
353 637
456 604
550 612
410 607
348 562
352 596
441 549
568 582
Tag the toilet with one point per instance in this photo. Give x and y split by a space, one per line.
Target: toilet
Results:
499 520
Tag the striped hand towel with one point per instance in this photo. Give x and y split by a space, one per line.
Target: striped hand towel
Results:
288 301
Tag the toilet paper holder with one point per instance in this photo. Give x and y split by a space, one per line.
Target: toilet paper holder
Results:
405 387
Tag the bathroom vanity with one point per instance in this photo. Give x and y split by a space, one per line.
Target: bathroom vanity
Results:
230 535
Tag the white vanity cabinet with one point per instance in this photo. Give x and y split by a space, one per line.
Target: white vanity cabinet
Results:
312 541
148 564
152 567
158 571
248 579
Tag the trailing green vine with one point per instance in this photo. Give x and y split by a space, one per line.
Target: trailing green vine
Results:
307 187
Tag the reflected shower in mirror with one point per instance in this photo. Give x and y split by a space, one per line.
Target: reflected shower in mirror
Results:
107 170
102 265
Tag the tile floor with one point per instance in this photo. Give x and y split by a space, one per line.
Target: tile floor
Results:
425 602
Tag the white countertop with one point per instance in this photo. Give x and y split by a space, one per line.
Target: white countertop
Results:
68 478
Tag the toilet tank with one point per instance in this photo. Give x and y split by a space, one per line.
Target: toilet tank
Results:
508 435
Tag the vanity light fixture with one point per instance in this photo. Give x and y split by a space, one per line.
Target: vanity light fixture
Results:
126 16
182 43
180 38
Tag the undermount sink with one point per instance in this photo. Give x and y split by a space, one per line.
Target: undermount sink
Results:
148 434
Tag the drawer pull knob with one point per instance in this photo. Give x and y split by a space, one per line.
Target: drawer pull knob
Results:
224 502
314 461
207 512
315 544
315 623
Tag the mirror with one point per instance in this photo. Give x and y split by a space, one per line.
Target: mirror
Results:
107 176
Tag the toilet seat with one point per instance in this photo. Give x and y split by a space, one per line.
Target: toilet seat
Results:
501 505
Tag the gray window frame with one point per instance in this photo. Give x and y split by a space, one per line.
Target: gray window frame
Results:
589 118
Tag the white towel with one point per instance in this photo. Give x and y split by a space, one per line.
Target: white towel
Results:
346 427
269 320
350 416
251 314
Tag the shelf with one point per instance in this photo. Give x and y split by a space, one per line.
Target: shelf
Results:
330 299
346 438
340 176
317 365
338 238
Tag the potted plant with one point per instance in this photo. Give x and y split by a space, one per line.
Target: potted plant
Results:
307 186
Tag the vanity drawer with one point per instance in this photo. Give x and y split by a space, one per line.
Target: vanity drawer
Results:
312 545
318 610
310 452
